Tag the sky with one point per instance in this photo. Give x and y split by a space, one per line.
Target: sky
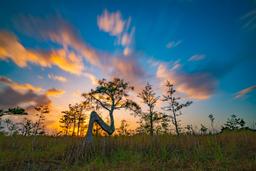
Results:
53 51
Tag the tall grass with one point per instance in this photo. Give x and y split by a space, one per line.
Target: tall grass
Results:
227 151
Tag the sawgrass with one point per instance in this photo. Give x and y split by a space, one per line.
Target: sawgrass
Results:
234 150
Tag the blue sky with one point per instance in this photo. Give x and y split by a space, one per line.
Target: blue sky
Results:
206 48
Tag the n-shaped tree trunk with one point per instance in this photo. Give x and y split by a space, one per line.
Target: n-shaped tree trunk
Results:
94 117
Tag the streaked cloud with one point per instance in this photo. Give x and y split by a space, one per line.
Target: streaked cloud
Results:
115 25
127 41
127 51
197 57
128 69
249 20
197 85
54 92
57 77
245 91
92 78
11 48
173 44
59 31
111 22
12 98
17 86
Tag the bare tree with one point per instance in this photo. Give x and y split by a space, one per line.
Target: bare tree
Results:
110 96
39 127
174 106
97 131
11 127
27 127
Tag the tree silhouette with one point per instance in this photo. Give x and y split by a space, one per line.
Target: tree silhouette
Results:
74 118
190 129
165 124
39 127
27 127
66 121
151 116
123 129
11 127
211 117
13 111
97 131
110 96
174 106
234 123
203 129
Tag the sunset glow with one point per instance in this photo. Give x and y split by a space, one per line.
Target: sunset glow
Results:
51 54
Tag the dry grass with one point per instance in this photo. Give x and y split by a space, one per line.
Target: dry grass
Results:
227 151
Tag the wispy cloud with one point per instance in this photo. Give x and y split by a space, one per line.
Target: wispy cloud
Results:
92 78
54 92
115 25
128 69
245 91
249 20
17 86
173 44
197 57
59 31
197 85
17 94
12 98
11 48
57 78
111 23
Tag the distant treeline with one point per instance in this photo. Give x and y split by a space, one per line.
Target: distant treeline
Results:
113 95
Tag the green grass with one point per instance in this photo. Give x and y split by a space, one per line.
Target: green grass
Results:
227 151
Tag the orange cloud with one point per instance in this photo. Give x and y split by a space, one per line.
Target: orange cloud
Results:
58 31
54 92
198 85
19 87
11 48
245 91
57 78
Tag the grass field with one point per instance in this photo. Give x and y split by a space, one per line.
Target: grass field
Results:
226 151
